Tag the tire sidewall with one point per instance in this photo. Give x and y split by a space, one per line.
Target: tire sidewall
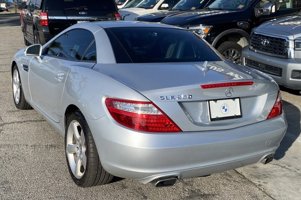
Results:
77 116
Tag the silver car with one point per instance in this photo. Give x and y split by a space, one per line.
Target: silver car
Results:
149 102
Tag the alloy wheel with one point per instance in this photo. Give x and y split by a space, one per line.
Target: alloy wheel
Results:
233 55
76 149
16 86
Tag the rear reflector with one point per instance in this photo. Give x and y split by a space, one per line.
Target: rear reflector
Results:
43 19
140 116
226 84
277 108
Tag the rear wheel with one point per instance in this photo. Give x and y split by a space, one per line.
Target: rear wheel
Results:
81 153
231 51
18 95
26 42
36 38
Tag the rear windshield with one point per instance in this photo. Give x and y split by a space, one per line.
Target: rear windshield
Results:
149 44
80 5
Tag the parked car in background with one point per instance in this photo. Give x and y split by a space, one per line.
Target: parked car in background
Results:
182 5
147 101
43 19
122 3
275 48
3 7
227 24
146 7
132 3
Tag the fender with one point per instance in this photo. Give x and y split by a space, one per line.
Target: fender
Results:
228 32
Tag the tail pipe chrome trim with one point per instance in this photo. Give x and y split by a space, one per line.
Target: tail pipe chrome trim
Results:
267 159
165 181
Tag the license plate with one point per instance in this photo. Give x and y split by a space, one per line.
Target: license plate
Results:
224 109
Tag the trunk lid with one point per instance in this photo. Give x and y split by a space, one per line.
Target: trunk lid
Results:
177 90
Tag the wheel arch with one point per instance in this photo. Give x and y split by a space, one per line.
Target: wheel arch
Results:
70 109
13 64
238 35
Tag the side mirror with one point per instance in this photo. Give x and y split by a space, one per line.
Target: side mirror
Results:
34 50
164 6
265 10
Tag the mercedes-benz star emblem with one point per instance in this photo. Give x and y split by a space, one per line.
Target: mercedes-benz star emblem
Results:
229 92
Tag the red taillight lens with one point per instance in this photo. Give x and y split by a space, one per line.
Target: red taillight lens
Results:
43 19
117 16
226 84
277 108
140 116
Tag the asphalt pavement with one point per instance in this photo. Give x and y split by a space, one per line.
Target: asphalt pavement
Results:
33 164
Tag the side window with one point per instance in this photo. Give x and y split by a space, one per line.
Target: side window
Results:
77 45
170 4
283 5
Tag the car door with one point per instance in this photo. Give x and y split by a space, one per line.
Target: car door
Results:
47 76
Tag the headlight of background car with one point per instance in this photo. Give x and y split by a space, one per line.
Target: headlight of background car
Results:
201 30
298 45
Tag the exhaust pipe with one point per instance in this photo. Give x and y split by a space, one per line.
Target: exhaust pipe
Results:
267 159
165 181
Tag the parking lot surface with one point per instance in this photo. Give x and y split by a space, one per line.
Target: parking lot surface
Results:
33 164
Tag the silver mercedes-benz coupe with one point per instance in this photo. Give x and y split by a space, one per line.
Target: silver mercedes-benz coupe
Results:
149 102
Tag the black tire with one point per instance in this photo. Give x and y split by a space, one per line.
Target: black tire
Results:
26 42
92 173
18 95
231 51
36 38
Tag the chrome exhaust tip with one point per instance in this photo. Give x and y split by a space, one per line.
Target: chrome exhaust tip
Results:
267 159
165 181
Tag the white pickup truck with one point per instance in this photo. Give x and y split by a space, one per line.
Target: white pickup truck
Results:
275 49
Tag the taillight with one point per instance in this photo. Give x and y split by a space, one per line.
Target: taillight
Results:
117 16
277 108
43 19
140 116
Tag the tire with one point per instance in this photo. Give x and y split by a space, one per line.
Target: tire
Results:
81 153
26 42
18 95
36 38
231 51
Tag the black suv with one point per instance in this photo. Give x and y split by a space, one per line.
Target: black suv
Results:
43 19
226 24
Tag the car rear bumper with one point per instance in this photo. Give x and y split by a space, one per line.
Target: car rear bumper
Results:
147 157
279 68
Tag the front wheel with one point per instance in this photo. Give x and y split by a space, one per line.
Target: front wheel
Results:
81 153
231 51
18 95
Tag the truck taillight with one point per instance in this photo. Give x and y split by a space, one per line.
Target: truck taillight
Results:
277 108
117 16
140 116
43 19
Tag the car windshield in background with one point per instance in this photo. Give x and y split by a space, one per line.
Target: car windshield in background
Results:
229 5
144 45
80 5
132 4
147 4
188 4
